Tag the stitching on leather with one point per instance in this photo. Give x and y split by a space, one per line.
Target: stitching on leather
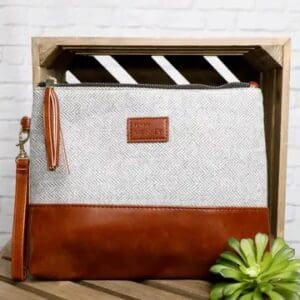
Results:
66 206
22 248
28 249
26 238
24 225
20 227
14 239
166 130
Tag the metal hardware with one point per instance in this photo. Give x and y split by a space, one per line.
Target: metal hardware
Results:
51 82
23 138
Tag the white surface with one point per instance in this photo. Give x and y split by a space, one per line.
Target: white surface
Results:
22 19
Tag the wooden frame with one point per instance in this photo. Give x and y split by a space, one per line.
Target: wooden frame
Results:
266 60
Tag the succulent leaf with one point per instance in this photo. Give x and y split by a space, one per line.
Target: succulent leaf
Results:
275 296
232 257
235 295
278 244
292 276
261 241
265 287
247 247
225 262
216 292
274 269
252 273
233 274
257 295
235 245
230 289
294 265
289 286
266 262
287 294
248 296
219 268
284 254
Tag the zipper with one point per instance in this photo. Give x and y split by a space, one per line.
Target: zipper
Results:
51 82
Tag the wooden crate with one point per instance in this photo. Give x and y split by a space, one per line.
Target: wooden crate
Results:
265 60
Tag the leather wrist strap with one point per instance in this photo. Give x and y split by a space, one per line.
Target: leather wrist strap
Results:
21 201
18 234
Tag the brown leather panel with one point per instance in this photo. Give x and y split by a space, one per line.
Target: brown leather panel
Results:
51 128
147 130
19 223
102 242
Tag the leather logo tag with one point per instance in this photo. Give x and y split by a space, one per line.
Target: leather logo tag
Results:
147 130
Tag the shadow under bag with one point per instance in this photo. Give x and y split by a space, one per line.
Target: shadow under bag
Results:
138 181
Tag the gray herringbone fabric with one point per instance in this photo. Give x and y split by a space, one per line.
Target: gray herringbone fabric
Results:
216 154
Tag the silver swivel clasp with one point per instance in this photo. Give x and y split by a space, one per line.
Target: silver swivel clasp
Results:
23 138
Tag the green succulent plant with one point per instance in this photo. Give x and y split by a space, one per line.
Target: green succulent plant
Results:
252 273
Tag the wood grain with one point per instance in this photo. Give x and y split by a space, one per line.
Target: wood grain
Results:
8 291
194 289
283 90
133 289
55 289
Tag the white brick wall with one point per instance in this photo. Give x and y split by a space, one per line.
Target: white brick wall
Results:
21 19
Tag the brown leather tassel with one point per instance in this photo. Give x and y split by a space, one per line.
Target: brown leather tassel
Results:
51 128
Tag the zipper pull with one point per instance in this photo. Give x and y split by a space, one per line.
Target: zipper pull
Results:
50 82
253 84
51 124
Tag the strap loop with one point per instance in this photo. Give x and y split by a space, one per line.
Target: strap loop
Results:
19 224
21 202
